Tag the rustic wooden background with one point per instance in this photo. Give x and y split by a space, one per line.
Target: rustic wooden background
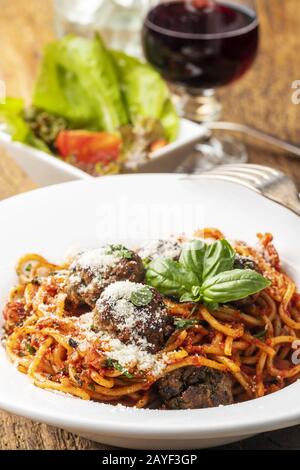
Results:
261 99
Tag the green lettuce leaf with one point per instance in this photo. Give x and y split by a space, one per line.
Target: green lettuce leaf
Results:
145 93
170 121
78 81
12 115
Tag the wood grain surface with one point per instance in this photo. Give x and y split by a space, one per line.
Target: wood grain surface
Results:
261 99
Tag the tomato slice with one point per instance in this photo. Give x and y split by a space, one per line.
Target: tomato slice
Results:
89 147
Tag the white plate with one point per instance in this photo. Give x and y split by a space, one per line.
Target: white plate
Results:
125 208
45 169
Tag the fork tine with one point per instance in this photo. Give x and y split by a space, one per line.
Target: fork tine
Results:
250 179
258 169
232 178
247 173
255 174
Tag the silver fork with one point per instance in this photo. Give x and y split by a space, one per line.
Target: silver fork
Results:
271 183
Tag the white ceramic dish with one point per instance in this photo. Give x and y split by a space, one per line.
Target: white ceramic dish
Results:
125 208
46 170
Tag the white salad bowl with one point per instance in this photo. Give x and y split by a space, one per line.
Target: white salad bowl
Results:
129 209
45 169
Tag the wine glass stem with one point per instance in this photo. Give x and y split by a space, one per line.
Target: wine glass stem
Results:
202 106
197 105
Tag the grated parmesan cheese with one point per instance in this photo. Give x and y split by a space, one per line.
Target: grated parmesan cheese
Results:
154 249
120 290
125 314
97 260
133 356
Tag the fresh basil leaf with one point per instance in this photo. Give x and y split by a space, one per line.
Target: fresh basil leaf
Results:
219 257
170 277
195 295
146 262
184 323
192 257
233 285
141 297
212 306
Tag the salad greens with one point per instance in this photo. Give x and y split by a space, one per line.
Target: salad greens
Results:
145 93
12 114
78 82
204 273
95 89
170 121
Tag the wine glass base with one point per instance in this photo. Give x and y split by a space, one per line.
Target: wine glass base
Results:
202 106
214 152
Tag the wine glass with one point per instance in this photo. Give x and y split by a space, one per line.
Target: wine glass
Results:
199 46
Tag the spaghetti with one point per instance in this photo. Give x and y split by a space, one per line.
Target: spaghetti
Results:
54 341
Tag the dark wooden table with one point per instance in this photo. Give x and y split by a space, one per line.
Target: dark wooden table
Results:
261 99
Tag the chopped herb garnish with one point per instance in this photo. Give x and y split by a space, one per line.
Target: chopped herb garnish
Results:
119 250
146 262
141 297
78 380
94 328
73 343
28 268
31 349
194 309
111 363
260 334
184 324
91 386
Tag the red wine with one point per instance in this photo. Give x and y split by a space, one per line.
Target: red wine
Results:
199 43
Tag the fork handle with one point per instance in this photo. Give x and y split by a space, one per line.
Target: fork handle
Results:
289 203
288 200
257 134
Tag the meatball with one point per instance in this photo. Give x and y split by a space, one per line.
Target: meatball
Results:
134 313
161 249
92 271
195 387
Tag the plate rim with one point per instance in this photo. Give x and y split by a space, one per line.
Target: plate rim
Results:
282 417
